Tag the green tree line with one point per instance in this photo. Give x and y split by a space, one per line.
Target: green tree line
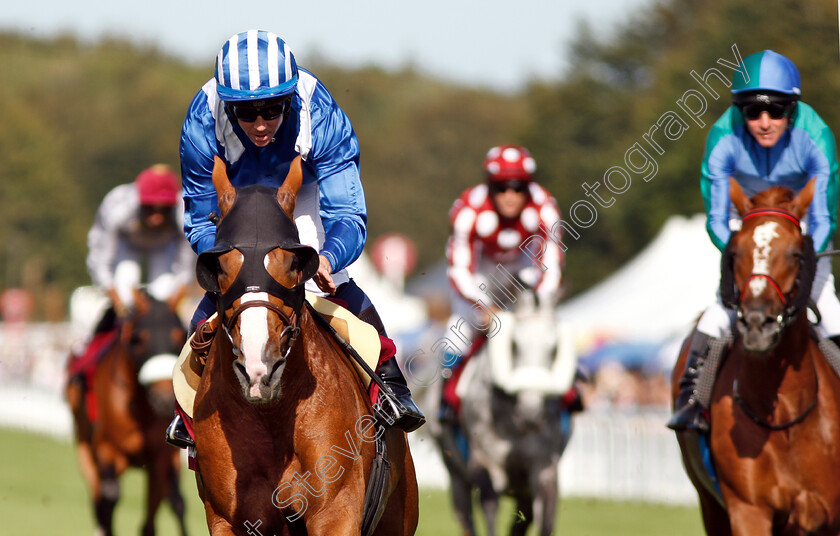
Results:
82 118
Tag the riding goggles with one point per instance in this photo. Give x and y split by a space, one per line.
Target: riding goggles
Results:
776 110
519 187
267 109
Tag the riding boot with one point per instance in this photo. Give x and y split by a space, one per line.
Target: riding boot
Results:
401 411
177 434
689 412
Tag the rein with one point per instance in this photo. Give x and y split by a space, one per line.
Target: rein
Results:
754 418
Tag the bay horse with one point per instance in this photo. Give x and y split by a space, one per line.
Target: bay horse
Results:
132 388
284 433
514 423
775 407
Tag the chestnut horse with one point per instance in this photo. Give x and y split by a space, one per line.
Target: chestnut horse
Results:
775 409
132 385
284 433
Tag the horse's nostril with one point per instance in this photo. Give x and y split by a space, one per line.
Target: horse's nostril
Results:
279 363
241 369
757 320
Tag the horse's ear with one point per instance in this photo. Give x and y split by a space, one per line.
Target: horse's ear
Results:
287 193
224 189
738 197
141 301
802 201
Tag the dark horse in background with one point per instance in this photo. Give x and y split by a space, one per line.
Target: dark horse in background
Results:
284 434
775 409
132 387
515 426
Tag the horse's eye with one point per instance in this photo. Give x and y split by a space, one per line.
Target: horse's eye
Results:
295 265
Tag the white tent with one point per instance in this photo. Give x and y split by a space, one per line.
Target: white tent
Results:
655 296
399 311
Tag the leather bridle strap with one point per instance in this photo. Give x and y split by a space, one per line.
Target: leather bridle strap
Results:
772 282
290 332
771 212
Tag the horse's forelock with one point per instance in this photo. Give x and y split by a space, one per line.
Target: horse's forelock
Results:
776 196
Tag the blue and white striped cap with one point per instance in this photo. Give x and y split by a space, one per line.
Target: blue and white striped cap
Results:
255 65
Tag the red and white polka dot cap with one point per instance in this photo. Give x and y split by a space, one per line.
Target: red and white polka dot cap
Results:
509 162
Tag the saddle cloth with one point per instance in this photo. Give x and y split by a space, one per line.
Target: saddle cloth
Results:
85 367
362 337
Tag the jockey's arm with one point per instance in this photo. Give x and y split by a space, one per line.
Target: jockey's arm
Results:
334 159
717 168
197 149
820 164
460 253
103 240
822 212
548 287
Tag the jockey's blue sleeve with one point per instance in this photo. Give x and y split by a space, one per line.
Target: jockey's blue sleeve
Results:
335 158
198 146
718 165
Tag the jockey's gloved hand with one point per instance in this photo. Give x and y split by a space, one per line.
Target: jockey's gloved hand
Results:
122 309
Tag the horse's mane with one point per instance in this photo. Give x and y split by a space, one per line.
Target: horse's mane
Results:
775 196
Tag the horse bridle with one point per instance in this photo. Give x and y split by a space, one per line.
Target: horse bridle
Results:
290 332
793 306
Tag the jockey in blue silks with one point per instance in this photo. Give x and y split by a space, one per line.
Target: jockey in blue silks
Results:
767 138
257 114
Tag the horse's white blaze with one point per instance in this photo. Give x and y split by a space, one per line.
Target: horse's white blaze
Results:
253 329
763 235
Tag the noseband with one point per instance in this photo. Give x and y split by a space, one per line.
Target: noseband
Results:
289 334
792 307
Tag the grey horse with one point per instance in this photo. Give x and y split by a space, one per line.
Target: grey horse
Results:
512 420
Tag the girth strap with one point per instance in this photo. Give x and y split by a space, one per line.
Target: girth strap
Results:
377 487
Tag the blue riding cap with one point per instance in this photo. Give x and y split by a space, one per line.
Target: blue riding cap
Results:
767 71
255 65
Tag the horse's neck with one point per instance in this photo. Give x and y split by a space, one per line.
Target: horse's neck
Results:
321 355
785 376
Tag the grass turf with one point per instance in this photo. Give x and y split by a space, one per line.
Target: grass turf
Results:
42 492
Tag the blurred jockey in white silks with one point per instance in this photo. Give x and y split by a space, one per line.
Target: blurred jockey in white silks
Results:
136 240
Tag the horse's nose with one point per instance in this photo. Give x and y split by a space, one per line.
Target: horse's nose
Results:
759 330
756 320
256 373
530 409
